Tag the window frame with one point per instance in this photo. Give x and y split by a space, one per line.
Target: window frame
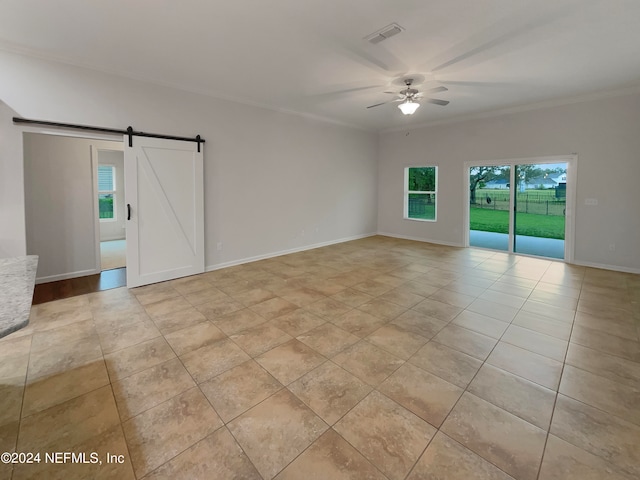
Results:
108 192
408 192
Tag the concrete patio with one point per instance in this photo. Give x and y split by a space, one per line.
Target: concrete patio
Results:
542 247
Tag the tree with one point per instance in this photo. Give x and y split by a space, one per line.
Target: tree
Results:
481 174
422 180
527 172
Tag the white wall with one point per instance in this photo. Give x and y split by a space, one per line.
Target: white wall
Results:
12 228
603 133
60 208
269 176
114 229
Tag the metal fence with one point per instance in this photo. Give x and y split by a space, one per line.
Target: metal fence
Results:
524 204
421 206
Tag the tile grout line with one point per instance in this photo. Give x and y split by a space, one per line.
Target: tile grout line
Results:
26 377
224 424
122 422
196 385
373 388
113 393
439 429
466 390
555 401
286 387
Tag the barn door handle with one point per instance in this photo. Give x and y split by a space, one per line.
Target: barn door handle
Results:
128 211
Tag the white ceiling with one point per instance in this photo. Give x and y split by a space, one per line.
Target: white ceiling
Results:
310 56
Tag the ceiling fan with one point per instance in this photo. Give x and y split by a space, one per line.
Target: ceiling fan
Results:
409 98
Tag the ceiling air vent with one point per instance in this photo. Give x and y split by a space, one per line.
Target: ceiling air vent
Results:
384 33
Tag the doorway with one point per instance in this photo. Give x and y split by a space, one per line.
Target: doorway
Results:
67 212
522 206
111 208
61 203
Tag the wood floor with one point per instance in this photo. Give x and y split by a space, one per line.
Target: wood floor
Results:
47 292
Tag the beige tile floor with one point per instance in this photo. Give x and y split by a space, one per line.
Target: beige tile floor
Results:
373 359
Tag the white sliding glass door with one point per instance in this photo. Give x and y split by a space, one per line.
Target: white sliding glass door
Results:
522 206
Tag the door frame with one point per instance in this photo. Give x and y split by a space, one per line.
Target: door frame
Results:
572 175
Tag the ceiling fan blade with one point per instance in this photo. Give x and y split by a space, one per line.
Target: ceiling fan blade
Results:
436 101
377 104
352 90
503 37
375 57
436 89
459 83
341 92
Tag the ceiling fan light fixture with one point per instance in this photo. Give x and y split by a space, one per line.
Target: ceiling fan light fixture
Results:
408 107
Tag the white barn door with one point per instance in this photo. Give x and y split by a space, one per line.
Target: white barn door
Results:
164 192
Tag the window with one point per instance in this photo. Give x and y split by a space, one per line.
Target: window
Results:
420 192
107 192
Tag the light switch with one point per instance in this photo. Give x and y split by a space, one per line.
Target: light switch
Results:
590 201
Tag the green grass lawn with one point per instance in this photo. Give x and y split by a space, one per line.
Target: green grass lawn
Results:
105 207
489 220
426 212
544 226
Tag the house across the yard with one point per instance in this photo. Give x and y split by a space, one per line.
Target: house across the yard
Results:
501 184
540 183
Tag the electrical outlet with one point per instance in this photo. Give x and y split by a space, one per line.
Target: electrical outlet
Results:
612 247
219 246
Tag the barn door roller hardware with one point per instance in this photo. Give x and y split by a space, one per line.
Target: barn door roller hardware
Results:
130 132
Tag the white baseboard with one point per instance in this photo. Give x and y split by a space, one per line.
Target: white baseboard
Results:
66 276
615 268
210 268
418 239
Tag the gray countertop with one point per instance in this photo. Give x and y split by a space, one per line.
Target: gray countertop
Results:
17 279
